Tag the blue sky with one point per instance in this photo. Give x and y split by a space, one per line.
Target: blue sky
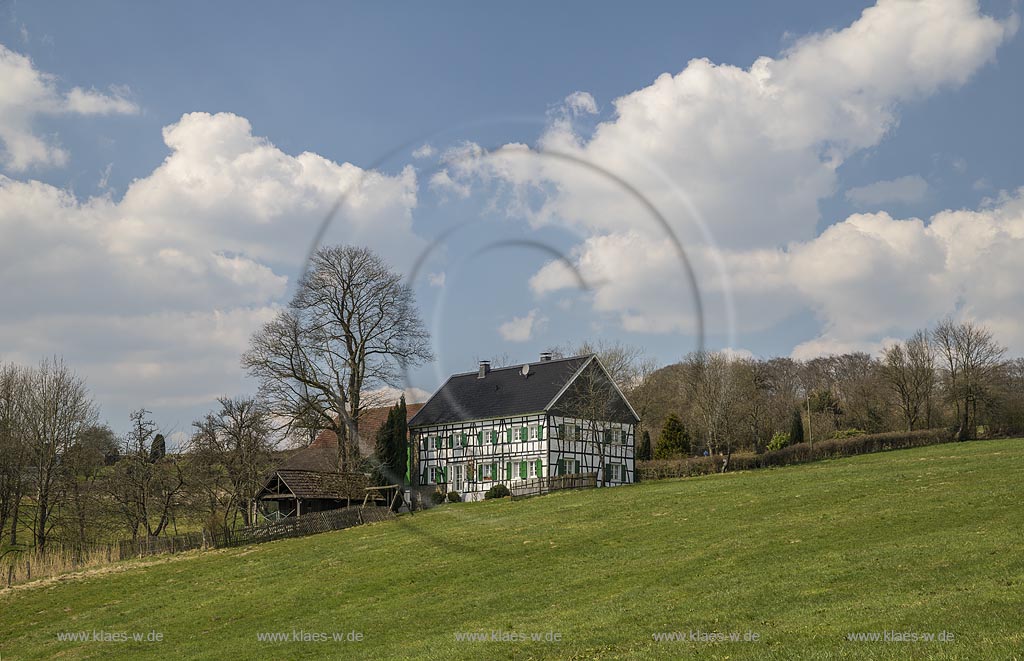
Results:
906 112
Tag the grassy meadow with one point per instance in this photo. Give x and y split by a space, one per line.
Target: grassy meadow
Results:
923 541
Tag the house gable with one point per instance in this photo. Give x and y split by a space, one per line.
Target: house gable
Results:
592 390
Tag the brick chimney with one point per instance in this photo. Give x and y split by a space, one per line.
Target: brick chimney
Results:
485 367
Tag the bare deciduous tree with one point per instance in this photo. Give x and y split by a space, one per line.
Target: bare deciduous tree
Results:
971 360
13 446
350 328
235 443
146 492
57 410
909 370
711 391
593 400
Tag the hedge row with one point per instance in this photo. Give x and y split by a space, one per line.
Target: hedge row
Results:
799 453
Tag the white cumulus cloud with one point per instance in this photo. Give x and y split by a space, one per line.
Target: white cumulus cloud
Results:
154 295
522 329
736 160
27 93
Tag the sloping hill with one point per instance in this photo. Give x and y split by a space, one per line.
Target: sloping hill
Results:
918 541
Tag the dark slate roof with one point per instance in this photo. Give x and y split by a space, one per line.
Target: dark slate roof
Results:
503 392
325 485
313 459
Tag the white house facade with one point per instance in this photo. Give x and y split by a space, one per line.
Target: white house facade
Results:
519 423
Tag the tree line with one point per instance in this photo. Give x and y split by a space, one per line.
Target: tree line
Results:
351 329
67 479
955 375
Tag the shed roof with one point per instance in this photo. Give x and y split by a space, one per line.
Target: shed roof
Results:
325 485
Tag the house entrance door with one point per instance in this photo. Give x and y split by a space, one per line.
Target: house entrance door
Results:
459 478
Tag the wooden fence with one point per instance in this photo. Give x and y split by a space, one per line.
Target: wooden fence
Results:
143 546
300 526
24 565
541 485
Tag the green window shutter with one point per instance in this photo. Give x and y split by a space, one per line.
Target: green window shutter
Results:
540 468
494 438
480 473
508 470
495 475
479 438
607 436
522 470
524 433
561 431
451 441
437 442
607 473
561 466
540 433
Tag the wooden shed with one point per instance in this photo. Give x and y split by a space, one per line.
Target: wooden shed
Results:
308 482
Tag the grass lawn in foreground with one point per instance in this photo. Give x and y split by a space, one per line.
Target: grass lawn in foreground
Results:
919 541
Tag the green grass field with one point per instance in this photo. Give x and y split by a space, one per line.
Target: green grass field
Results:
923 541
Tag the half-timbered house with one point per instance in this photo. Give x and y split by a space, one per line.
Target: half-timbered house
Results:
512 424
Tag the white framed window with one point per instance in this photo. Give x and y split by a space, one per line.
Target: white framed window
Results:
615 473
570 466
533 432
436 475
532 468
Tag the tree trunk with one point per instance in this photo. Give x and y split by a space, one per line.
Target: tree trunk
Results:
961 434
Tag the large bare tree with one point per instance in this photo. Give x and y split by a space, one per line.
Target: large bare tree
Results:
145 490
909 370
712 391
13 446
971 361
57 411
234 445
350 329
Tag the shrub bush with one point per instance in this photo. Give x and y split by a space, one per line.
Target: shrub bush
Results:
497 491
797 453
437 497
779 440
674 440
848 433
454 497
